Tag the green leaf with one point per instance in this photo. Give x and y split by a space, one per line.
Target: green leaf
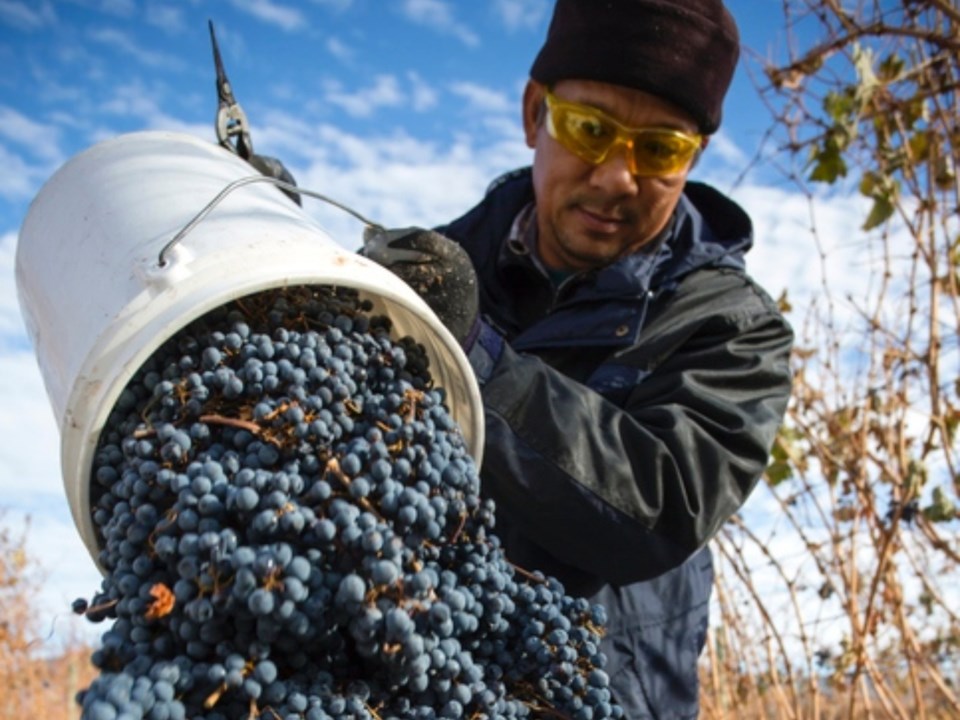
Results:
829 165
916 478
890 68
884 192
780 467
941 509
777 472
869 184
919 144
881 211
838 105
913 111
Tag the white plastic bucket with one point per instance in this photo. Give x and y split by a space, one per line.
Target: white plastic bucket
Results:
97 301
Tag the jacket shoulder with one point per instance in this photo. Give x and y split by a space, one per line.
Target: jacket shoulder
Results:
725 291
511 177
711 307
481 228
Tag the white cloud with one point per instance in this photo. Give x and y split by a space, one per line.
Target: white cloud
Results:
114 8
423 96
339 49
27 16
439 16
281 133
124 43
726 150
168 18
134 100
507 125
11 324
29 456
283 16
338 5
40 139
482 98
787 253
397 180
51 93
119 8
521 14
18 181
385 92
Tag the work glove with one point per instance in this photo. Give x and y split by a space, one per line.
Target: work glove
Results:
437 268
271 167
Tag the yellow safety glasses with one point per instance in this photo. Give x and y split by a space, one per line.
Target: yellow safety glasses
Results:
592 135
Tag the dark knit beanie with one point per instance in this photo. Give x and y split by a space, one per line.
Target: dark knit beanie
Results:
684 51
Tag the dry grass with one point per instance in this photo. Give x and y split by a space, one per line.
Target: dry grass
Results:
33 683
44 688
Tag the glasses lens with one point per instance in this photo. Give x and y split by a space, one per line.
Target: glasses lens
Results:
584 133
662 152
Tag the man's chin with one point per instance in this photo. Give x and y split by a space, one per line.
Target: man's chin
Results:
583 261
593 253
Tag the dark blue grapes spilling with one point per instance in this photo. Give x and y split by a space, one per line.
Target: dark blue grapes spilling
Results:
292 528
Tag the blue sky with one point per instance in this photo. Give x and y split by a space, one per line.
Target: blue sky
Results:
402 109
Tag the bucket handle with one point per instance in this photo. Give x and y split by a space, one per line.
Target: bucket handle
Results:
162 257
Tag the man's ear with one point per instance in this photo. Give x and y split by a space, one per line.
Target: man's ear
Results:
533 111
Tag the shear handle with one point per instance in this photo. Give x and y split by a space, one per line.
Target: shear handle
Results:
231 119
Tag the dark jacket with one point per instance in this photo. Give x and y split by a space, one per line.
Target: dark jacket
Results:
629 415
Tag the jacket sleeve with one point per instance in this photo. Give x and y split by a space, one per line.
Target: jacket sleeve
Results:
624 492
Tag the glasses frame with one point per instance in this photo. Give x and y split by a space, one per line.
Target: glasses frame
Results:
625 136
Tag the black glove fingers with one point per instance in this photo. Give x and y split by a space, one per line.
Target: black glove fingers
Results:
391 247
435 267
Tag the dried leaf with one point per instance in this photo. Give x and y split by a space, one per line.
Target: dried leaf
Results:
163 602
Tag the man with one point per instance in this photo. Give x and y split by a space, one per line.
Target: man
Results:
633 376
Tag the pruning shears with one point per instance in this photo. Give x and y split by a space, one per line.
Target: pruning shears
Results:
233 130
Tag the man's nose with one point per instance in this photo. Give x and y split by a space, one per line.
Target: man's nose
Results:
615 174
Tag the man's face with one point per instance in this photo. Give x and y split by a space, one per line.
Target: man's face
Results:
590 215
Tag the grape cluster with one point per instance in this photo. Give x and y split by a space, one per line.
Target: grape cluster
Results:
292 528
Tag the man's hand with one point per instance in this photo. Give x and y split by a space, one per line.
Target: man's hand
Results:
437 269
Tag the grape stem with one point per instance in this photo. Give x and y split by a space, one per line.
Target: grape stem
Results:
544 710
333 468
232 422
94 609
532 577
